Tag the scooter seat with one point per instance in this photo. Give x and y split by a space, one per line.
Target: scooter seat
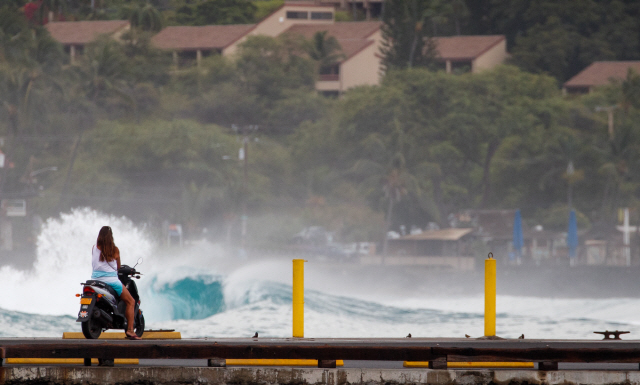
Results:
102 285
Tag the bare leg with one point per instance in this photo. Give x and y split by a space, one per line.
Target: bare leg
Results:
128 299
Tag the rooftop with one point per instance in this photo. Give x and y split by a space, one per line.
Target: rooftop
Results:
601 73
497 224
465 47
352 36
83 32
201 37
451 234
339 30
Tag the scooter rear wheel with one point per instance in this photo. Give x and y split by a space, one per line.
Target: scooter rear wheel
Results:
140 326
91 329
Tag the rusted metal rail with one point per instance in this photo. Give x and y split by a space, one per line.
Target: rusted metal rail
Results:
438 351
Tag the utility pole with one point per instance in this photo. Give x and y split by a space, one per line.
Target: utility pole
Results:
243 155
570 172
626 238
609 111
245 147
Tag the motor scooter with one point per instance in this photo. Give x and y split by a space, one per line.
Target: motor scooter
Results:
101 308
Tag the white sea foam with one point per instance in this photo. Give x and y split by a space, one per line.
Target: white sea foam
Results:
227 297
64 260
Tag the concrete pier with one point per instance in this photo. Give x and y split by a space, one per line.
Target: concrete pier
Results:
54 375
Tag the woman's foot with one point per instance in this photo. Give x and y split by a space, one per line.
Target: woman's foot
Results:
131 335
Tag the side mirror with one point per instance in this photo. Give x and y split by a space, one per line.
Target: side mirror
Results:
137 263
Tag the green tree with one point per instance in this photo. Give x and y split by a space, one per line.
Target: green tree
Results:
459 11
562 37
269 66
144 17
326 51
558 50
406 41
100 79
510 106
29 63
102 70
143 62
630 89
216 12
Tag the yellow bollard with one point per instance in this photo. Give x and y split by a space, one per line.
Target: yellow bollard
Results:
490 296
298 298
298 326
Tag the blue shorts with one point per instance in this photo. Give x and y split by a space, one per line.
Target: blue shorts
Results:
117 286
101 275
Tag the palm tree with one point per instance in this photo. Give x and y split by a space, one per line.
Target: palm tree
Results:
326 51
101 71
145 17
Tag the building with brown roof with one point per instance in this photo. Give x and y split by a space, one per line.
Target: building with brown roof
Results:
360 43
196 42
289 14
74 35
448 248
471 53
599 73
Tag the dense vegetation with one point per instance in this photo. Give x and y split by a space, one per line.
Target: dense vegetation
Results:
129 134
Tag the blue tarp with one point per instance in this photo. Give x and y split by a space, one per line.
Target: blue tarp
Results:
572 234
518 239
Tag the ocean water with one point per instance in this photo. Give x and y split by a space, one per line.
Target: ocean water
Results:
202 292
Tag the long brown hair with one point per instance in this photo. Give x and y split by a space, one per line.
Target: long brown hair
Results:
106 245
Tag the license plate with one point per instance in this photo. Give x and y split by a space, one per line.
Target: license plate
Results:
85 301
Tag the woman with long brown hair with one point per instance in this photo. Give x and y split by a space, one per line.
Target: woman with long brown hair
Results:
106 262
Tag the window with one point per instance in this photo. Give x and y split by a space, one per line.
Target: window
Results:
461 67
321 16
297 15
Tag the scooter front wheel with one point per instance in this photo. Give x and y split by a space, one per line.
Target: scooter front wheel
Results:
91 329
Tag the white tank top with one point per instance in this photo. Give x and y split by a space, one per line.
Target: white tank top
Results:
104 266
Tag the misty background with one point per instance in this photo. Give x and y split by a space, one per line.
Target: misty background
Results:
122 136
123 131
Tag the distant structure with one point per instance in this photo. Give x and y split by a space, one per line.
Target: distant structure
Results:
201 41
361 42
74 35
494 228
599 73
189 43
369 8
471 53
447 248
